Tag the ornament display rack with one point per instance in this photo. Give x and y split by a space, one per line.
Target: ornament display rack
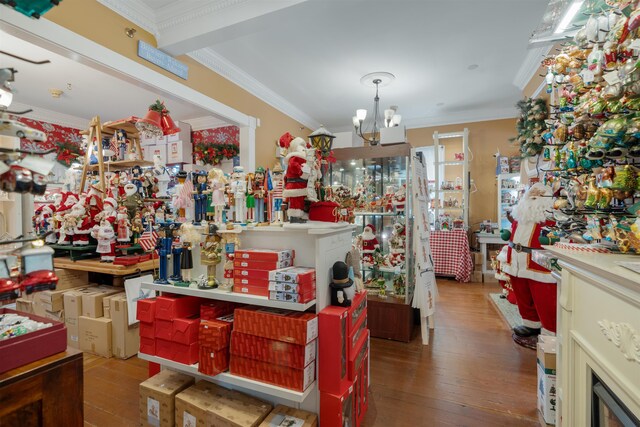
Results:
439 193
315 246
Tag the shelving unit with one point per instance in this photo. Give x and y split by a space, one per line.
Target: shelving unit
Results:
314 246
507 192
464 192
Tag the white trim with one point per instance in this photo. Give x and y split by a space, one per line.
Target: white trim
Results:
530 65
65 42
481 115
48 116
180 13
207 122
135 11
247 136
535 94
294 192
226 69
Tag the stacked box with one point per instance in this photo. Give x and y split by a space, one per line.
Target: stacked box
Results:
284 416
337 409
277 324
293 284
282 376
125 337
157 398
146 314
251 269
72 303
169 307
262 265
546 361
264 254
276 352
214 338
185 330
211 310
92 301
206 404
333 354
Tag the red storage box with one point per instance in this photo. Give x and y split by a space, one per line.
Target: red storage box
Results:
164 348
126 260
264 254
364 389
262 265
164 329
356 335
24 349
147 330
213 309
212 362
336 409
357 356
185 331
216 334
324 211
261 291
293 275
186 353
293 287
146 310
245 273
283 376
148 346
333 349
358 308
277 324
292 297
175 306
276 352
244 281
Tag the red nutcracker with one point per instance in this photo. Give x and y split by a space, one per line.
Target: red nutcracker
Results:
295 178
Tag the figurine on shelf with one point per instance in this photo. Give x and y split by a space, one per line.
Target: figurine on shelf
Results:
370 245
67 229
83 227
109 206
94 202
162 176
353 262
388 198
149 184
200 191
275 194
136 178
238 188
217 182
342 289
400 285
131 200
211 255
105 236
315 175
251 200
189 236
159 214
399 199
397 245
182 196
163 245
124 225
116 189
259 193
121 141
296 175
136 227
231 244
176 253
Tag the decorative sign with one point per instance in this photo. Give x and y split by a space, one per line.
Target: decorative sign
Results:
162 60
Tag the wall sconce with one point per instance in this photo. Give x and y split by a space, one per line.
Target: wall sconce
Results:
130 32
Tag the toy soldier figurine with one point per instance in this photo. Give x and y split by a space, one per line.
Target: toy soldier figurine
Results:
164 248
275 194
238 187
259 193
201 188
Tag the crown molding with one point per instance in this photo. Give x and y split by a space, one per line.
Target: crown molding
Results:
206 122
135 11
178 14
530 66
226 69
461 117
53 117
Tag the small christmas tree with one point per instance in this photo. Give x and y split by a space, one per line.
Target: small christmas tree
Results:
531 126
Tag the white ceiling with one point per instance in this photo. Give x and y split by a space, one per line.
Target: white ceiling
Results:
92 92
306 57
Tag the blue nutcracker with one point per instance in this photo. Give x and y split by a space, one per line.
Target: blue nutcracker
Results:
136 178
121 143
164 247
201 189
176 253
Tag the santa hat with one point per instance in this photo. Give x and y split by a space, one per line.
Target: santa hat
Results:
373 229
110 201
285 140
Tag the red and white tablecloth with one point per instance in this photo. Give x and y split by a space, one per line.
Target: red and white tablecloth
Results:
451 255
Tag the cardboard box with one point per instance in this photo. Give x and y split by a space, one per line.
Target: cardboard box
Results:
72 302
125 337
282 376
216 334
293 275
297 288
185 331
546 361
291 296
68 279
477 258
261 291
212 362
264 254
148 141
157 397
357 356
262 265
92 301
58 316
95 335
147 330
284 416
106 304
148 346
179 152
276 352
169 307
476 276
146 310
277 324
161 139
24 305
163 329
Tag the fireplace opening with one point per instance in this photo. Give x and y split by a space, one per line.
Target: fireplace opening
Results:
607 410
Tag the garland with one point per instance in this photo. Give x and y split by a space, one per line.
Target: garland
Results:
67 153
213 153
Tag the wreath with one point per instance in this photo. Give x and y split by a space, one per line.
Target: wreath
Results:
67 153
213 153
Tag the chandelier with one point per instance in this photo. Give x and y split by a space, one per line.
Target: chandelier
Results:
391 119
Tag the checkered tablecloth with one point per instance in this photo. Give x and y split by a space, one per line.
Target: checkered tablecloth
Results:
451 255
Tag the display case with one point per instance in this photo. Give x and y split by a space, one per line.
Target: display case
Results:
508 194
450 202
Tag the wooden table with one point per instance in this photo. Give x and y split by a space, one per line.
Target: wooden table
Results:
484 240
95 266
47 392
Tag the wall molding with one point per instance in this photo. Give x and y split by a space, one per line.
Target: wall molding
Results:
530 66
226 69
624 337
207 122
135 11
176 14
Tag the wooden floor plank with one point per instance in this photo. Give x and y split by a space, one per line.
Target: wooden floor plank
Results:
472 374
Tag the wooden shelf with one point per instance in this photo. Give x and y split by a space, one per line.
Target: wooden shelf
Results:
128 125
221 295
227 379
362 213
95 266
120 165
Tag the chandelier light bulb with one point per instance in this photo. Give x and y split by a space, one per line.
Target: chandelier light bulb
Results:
356 122
396 119
361 114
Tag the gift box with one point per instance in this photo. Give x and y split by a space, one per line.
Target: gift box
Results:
293 275
277 324
243 281
264 254
292 296
276 352
262 265
216 334
169 307
324 211
337 409
356 335
148 346
332 349
282 376
298 288
212 362
147 330
214 309
261 291
357 310
356 357
164 348
243 273
146 310
185 331
186 353
163 329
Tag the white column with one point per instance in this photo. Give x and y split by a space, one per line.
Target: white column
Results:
248 145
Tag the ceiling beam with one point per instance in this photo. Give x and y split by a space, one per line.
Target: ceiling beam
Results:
183 29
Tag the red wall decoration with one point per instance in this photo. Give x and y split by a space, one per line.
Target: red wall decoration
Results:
55 133
223 135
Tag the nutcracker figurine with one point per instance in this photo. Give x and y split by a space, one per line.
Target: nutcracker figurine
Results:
211 256
238 188
276 188
181 201
259 193
251 200
176 253
164 248
200 191
217 182
231 243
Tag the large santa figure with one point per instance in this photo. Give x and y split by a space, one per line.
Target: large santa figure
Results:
370 244
295 180
84 223
533 285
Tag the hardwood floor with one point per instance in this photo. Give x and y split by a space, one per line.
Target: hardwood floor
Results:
472 374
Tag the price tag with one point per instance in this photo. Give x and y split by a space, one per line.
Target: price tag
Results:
612 77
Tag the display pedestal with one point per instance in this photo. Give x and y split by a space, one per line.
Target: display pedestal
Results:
390 318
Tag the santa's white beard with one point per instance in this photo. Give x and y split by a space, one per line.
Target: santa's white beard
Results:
532 210
368 235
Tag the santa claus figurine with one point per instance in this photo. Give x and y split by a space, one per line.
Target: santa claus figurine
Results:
83 227
295 180
533 285
397 245
399 199
124 225
370 244
94 202
109 206
66 204
105 236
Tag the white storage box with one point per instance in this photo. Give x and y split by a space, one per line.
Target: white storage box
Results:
151 150
179 152
394 135
148 141
183 135
346 140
